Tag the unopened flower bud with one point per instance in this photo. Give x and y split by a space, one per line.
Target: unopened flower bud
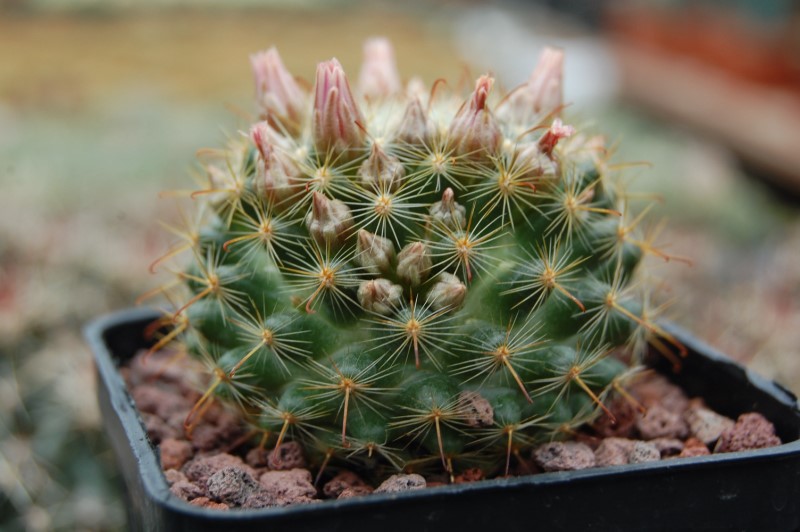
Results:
380 296
277 175
381 170
551 137
449 213
474 131
447 292
532 162
414 263
374 253
416 89
329 221
415 128
378 78
265 136
277 92
279 179
546 82
541 94
337 119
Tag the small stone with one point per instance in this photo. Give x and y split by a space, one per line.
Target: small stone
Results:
186 490
344 480
397 483
259 498
172 476
563 456
643 452
157 366
694 447
157 429
476 410
289 487
706 425
355 491
751 431
287 456
613 451
659 422
472 474
658 390
154 400
200 468
231 485
257 457
205 502
668 446
174 453
623 423
209 436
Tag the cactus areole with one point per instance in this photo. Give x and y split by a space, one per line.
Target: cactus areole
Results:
401 277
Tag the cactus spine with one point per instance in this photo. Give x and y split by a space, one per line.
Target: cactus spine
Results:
406 278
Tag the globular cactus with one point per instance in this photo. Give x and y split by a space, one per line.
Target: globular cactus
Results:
400 277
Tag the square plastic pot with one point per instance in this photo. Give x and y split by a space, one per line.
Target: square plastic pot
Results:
754 490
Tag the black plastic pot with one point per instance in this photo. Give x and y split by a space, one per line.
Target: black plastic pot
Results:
755 490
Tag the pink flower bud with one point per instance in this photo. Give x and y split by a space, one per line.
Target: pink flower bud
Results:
532 162
337 119
278 178
380 296
545 85
551 137
278 94
381 170
329 221
414 264
474 130
449 213
541 94
447 292
378 78
374 253
415 127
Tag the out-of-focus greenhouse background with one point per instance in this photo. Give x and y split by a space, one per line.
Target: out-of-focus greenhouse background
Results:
103 104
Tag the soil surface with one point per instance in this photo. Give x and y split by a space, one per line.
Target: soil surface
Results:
220 464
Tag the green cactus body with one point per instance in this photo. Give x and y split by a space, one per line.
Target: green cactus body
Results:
396 277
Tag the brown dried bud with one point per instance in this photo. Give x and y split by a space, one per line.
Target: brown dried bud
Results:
448 292
415 128
474 131
381 170
380 296
475 409
449 213
374 253
329 221
414 263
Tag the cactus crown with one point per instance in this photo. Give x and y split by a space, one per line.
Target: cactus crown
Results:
400 276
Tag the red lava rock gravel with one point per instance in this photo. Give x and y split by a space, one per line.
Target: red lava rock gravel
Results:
217 467
751 431
397 483
564 456
341 482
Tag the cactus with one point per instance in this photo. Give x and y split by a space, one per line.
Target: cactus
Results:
404 278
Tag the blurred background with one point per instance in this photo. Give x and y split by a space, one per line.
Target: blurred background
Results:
103 104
